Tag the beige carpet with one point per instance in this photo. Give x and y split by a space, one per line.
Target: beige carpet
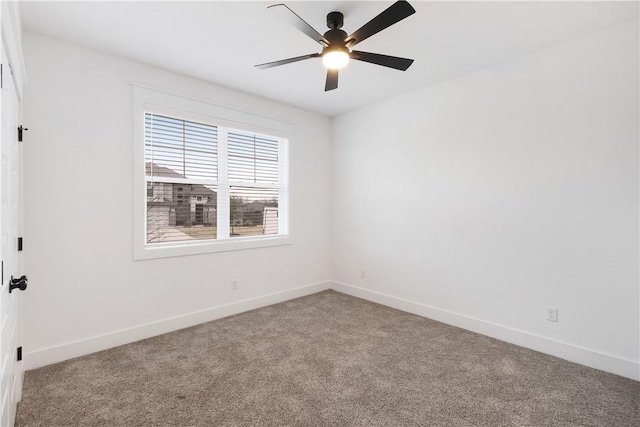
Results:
325 360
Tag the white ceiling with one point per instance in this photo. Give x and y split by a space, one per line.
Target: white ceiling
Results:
221 41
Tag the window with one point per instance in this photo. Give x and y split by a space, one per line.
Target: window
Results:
181 164
211 184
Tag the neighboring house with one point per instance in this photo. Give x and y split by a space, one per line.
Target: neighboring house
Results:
185 205
270 220
172 205
253 212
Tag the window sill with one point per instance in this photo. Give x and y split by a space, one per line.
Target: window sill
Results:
145 251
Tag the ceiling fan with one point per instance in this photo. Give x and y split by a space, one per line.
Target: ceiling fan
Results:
336 44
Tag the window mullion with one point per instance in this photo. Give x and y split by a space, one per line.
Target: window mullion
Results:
184 149
283 182
223 185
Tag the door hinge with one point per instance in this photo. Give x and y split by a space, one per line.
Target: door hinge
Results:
19 353
1 77
20 129
19 243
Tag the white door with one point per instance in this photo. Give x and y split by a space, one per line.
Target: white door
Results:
10 218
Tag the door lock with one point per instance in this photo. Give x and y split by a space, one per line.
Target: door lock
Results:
19 283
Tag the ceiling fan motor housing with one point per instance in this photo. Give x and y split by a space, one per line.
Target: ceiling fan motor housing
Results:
335 38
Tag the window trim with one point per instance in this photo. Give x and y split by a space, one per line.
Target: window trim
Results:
146 99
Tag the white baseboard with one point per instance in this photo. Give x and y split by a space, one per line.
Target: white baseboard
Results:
573 353
592 358
47 356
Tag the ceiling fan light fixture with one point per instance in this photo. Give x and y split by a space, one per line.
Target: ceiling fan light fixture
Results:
335 59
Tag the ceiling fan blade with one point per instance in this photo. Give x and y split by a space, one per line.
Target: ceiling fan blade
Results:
292 18
286 61
384 60
332 80
394 13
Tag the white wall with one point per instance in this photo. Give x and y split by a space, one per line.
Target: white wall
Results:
483 199
84 287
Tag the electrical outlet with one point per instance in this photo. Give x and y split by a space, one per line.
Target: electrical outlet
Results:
234 285
552 314
363 274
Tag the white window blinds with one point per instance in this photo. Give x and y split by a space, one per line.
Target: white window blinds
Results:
252 158
180 148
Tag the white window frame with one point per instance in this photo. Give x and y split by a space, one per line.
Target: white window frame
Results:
150 100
